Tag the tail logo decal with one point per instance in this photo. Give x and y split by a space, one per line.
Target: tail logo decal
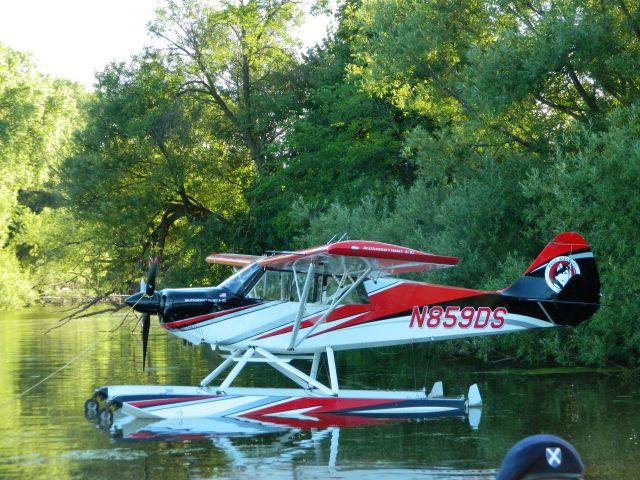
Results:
559 271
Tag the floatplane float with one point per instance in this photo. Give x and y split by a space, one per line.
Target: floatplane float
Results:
308 304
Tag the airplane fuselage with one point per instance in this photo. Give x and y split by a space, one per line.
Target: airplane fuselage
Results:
396 312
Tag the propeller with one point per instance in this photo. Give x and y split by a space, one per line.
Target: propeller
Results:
150 287
151 277
146 324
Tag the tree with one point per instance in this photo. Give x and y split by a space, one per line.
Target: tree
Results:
340 146
503 72
229 56
37 118
153 174
592 186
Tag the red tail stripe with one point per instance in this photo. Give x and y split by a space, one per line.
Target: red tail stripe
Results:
564 244
202 318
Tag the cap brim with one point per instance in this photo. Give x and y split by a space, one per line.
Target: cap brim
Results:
552 475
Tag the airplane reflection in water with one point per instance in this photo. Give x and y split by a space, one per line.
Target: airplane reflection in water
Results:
284 445
180 429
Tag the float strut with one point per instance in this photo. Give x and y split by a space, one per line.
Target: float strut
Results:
219 369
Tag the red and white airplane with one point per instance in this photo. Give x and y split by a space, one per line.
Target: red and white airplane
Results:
343 295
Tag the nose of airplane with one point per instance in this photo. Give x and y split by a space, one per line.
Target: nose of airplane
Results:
140 302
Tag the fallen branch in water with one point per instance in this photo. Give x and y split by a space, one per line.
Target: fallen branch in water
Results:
81 311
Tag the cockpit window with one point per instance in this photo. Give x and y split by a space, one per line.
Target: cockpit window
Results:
259 283
273 285
282 285
331 288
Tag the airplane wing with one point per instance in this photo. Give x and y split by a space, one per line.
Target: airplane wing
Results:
359 255
232 259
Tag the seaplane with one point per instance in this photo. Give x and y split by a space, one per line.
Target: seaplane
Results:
308 304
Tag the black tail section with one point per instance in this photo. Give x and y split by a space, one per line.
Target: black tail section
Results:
563 280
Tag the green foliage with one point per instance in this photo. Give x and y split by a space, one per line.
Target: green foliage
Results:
414 52
37 117
342 146
16 288
153 172
443 217
536 125
230 56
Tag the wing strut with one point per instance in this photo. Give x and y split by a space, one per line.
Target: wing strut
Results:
303 302
333 373
335 303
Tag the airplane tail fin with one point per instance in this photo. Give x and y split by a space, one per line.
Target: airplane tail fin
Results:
563 280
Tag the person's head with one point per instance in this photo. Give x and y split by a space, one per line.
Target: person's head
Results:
541 457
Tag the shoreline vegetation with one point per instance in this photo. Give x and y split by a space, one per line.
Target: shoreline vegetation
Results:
473 129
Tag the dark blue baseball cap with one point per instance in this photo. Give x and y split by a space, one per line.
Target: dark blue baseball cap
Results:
541 456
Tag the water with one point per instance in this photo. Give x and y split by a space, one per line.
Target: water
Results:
46 435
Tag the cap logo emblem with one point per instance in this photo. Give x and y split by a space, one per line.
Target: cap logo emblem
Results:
559 271
554 456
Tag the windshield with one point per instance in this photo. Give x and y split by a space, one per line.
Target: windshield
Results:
241 281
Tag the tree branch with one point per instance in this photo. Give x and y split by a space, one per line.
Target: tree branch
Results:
79 313
561 108
627 14
588 99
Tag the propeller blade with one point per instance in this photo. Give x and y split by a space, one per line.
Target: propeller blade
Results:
146 324
151 277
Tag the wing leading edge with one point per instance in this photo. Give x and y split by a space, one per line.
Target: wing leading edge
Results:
231 259
349 255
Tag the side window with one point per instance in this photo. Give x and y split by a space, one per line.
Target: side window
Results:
330 288
273 285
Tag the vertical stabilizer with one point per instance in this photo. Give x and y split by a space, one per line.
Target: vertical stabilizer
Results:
563 279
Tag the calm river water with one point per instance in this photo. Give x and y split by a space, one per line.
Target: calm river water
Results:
44 433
